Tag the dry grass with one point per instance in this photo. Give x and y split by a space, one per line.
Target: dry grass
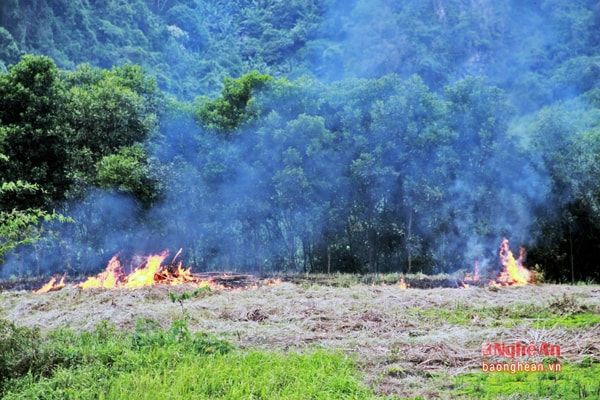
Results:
404 339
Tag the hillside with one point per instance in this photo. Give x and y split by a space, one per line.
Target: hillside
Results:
537 51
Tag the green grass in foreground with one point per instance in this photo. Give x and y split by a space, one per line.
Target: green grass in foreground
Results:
575 381
151 363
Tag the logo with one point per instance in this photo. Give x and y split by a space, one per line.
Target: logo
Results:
501 349
524 358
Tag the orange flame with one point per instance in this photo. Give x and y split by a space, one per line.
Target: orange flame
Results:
474 277
274 282
150 273
51 285
147 275
107 279
403 285
513 272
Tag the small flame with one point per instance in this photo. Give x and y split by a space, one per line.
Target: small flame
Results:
274 282
513 272
51 286
475 276
403 285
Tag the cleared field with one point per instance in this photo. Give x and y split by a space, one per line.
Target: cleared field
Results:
407 343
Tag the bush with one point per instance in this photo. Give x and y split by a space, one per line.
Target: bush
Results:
18 350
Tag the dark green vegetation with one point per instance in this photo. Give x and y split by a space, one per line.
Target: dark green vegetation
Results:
190 46
536 50
316 136
153 363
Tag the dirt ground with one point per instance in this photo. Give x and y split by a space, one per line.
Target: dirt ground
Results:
401 339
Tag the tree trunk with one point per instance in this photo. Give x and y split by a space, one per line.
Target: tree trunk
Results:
571 255
328 259
408 244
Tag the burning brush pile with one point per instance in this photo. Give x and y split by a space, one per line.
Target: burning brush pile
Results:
512 273
152 271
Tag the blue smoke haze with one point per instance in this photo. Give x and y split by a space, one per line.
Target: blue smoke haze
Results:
353 164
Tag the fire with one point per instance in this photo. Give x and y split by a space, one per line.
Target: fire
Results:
403 285
513 272
148 274
107 279
51 286
474 277
274 282
152 271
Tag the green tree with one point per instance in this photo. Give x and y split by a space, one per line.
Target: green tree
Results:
9 49
479 115
235 106
19 226
32 102
128 171
410 131
108 111
566 135
64 132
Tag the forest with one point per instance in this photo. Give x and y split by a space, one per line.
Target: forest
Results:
301 136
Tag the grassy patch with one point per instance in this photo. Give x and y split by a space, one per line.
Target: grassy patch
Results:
465 315
152 363
575 381
567 312
586 320
562 312
246 375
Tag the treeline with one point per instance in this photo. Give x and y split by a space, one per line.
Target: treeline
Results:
272 175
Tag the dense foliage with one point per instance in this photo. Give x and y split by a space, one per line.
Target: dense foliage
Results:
308 135
539 50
